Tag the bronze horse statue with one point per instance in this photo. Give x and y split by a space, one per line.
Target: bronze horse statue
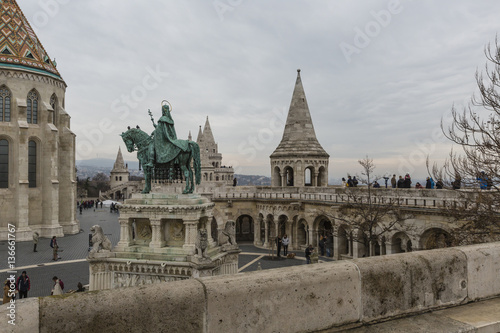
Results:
162 150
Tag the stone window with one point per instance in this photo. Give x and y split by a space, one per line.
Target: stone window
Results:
32 107
5 97
120 178
53 103
32 163
4 163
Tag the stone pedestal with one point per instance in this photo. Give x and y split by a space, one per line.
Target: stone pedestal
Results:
159 242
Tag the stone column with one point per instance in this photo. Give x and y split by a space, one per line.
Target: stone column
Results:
315 179
191 230
336 247
157 237
212 242
283 179
256 232
125 234
266 234
355 249
311 236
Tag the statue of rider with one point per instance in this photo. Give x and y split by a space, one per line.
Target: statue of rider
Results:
165 145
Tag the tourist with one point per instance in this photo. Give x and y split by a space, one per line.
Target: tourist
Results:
58 288
457 183
322 245
23 285
278 246
309 251
81 209
439 184
35 240
418 185
376 184
80 288
349 182
400 183
344 183
407 181
285 241
393 181
55 247
428 183
354 181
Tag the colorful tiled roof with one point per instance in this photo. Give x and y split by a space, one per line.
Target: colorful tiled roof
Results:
19 45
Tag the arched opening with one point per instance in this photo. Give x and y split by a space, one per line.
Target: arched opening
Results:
435 238
344 242
32 163
32 107
5 98
302 233
277 177
54 104
308 176
325 236
363 244
400 242
244 228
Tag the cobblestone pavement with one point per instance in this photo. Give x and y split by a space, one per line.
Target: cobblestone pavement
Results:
73 268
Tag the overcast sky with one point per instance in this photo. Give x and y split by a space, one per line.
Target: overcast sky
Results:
378 75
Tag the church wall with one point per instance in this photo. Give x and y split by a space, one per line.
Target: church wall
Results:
36 208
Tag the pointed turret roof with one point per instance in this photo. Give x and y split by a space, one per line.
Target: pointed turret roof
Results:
208 136
299 137
119 165
19 45
200 136
190 138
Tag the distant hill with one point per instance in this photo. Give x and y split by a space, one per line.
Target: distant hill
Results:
253 180
105 163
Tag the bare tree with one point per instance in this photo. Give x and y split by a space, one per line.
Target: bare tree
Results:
476 165
367 211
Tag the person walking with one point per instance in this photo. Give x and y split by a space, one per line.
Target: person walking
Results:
393 181
58 288
23 285
285 241
278 246
35 240
309 251
55 248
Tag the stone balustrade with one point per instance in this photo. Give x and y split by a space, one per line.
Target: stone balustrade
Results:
421 198
304 298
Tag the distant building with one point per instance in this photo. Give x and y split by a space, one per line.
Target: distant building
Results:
37 146
212 170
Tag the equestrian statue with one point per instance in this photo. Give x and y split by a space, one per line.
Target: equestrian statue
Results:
163 156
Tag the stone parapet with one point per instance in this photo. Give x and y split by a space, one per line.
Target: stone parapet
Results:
327 296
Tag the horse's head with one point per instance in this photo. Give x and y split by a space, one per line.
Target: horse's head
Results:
128 138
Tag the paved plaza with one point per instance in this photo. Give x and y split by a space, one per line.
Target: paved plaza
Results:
73 267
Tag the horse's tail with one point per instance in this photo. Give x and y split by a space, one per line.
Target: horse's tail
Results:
195 149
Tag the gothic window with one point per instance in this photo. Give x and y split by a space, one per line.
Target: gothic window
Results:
116 178
53 103
5 97
120 178
32 163
32 107
4 163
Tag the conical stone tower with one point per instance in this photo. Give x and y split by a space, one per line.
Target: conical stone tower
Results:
119 175
299 159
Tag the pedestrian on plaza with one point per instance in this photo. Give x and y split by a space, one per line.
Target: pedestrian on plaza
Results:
80 287
309 251
55 248
278 245
35 240
58 288
23 285
354 181
407 181
322 245
349 182
285 241
428 183
101 204
439 184
393 181
344 183
81 209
